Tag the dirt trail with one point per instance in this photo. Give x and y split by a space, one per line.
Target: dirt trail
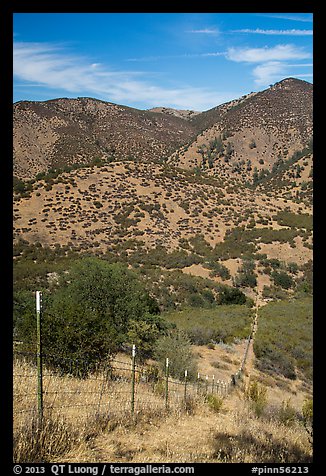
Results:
250 362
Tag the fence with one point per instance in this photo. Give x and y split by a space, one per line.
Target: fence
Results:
49 384
118 386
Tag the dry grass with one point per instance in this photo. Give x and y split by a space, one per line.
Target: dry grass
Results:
102 429
233 435
77 410
249 439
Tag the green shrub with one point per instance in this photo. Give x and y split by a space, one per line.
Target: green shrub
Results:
195 300
214 402
287 413
231 296
307 410
274 292
144 332
281 278
218 269
200 335
177 347
307 415
293 220
246 280
159 388
200 245
257 396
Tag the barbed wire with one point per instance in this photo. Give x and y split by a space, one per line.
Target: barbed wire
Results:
106 384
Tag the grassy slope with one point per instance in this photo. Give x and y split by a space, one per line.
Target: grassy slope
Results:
283 341
224 322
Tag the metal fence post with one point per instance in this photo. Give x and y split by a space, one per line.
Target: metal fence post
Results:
185 391
198 382
167 383
133 367
39 356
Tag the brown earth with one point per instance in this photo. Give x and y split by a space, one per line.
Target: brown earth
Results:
152 205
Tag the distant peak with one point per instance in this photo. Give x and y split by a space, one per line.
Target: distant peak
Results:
291 82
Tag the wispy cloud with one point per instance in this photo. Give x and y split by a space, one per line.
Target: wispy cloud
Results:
271 71
50 66
273 62
205 31
288 16
259 31
182 56
258 55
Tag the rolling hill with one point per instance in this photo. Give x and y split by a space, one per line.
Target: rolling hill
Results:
231 139
196 192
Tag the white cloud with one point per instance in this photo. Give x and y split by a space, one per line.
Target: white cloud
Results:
259 55
205 31
212 54
268 73
292 32
290 17
272 71
182 56
274 63
50 66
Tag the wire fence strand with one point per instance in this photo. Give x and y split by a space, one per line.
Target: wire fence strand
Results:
116 385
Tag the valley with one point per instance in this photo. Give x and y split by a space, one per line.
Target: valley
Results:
145 226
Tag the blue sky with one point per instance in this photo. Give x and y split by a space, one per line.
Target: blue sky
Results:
181 60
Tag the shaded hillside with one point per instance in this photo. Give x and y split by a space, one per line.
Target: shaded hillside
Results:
291 179
61 132
234 138
254 131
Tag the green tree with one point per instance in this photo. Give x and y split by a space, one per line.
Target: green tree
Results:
177 347
24 320
255 176
144 333
282 279
88 317
246 276
293 268
231 296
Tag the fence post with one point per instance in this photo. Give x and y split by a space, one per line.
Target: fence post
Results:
39 356
167 383
213 381
133 367
198 382
206 390
185 393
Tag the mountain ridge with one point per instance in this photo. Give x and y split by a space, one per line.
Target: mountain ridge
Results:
253 131
60 132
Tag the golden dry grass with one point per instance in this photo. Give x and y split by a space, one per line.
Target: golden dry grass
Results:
90 420
233 435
